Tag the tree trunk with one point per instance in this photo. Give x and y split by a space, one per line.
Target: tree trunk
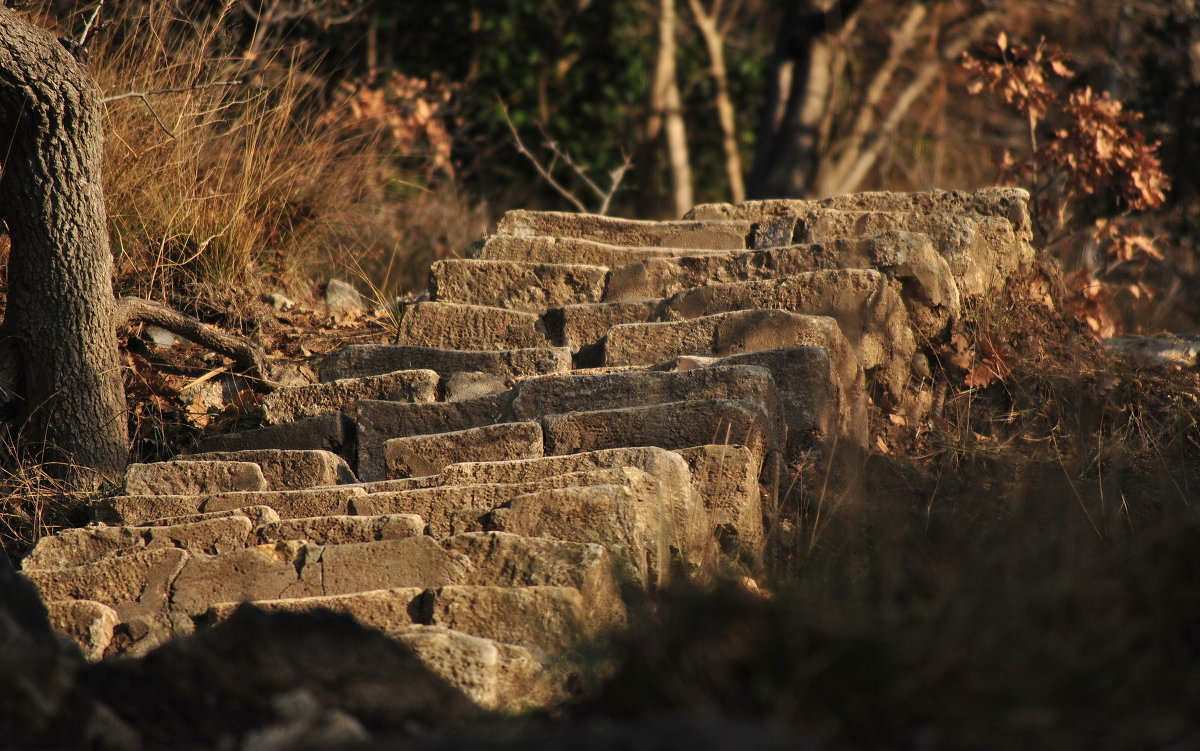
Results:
798 98
59 322
667 110
714 40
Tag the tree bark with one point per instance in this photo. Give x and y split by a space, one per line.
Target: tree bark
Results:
667 111
711 30
799 95
59 322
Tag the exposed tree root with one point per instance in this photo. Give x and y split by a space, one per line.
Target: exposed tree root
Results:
249 357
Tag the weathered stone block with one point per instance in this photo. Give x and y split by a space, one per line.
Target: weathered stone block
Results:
341 530
382 421
79 546
88 623
707 235
516 285
544 619
864 303
412 562
322 433
373 359
291 404
263 572
184 478
501 559
558 394
725 479
579 326
415 456
568 250
457 326
288 469
671 426
132 585
465 385
289 504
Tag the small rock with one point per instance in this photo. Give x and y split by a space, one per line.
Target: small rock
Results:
1159 349
161 337
341 298
281 302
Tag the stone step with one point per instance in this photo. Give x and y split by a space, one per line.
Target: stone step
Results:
497 676
708 235
673 425
185 478
88 623
584 326
288 504
725 479
866 306
83 545
516 285
421 455
380 421
470 327
298 402
721 334
341 530
455 509
929 288
667 467
323 433
569 250
287 469
138 584
550 395
372 359
1007 203
981 251
298 569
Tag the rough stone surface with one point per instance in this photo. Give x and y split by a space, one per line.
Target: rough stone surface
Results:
384 609
374 359
610 515
291 404
725 479
494 675
297 569
444 324
585 325
543 619
455 509
501 559
706 235
342 299
286 469
288 504
132 585
717 335
864 303
1011 204
671 426
516 285
322 433
88 623
465 385
340 530
569 250
76 547
182 478
559 394
381 421
415 456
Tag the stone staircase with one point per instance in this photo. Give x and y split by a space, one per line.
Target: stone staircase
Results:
584 408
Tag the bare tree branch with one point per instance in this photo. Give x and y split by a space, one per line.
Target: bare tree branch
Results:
547 171
249 357
144 96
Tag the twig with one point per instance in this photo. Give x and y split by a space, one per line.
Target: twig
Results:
546 171
87 29
144 96
549 178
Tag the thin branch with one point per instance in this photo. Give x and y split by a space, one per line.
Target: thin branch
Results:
249 357
144 96
615 177
180 90
87 29
560 154
549 178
